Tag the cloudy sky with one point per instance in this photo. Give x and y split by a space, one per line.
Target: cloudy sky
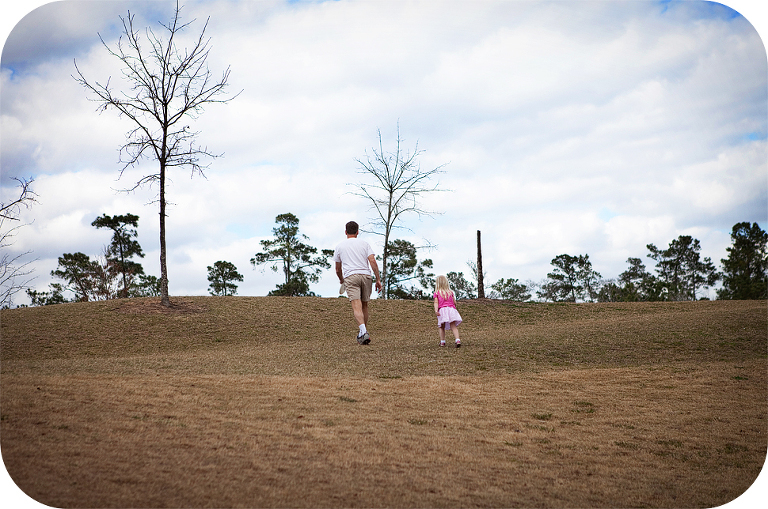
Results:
565 128
570 127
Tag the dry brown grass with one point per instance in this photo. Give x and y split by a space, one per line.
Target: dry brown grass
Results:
269 402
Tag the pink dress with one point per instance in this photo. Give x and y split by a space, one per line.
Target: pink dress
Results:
447 312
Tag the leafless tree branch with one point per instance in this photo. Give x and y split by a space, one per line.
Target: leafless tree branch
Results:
397 183
164 87
14 276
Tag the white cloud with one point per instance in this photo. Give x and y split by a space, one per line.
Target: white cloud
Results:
574 127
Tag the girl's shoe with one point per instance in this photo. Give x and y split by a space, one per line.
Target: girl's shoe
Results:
458 343
442 343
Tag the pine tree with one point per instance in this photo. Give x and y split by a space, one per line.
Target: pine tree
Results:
221 276
745 271
297 260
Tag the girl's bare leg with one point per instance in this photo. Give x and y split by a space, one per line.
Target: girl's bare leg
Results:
455 330
442 335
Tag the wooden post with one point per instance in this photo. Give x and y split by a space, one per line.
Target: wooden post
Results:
480 288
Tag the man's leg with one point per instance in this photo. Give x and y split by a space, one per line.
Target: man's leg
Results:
360 311
363 337
359 293
365 313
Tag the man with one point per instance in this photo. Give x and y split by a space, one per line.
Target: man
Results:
353 257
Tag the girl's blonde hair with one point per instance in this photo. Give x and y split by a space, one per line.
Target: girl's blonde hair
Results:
443 287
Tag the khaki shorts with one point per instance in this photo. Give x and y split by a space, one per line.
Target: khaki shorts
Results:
359 287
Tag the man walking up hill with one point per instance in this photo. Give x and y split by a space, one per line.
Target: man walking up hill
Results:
355 264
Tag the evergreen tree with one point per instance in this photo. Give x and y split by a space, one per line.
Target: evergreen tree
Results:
146 286
221 277
572 279
564 283
588 277
511 289
297 260
462 288
122 247
403 268
54 296
681 270
610 291
633 280
81 273
745 271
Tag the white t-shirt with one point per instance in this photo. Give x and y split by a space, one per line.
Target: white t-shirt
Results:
353 254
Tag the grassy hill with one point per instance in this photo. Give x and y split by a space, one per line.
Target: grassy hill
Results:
269 401
315 336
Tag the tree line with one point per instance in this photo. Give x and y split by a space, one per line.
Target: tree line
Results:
680 272
115 273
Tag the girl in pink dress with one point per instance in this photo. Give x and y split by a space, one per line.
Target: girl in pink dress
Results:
445 309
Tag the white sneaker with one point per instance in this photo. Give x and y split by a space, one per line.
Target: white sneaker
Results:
442 343
458 343
364 339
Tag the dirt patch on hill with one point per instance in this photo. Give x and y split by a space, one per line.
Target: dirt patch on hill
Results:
153 306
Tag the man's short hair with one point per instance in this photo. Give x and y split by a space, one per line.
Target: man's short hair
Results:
352 228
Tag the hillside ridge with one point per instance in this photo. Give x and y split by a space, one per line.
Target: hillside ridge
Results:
312 334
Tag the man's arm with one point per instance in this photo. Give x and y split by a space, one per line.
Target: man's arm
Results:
375 267
339 272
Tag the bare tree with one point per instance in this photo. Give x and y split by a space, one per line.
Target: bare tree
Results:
397 183
14 276
165 86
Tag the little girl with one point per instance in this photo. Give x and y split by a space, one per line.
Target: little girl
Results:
445 309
